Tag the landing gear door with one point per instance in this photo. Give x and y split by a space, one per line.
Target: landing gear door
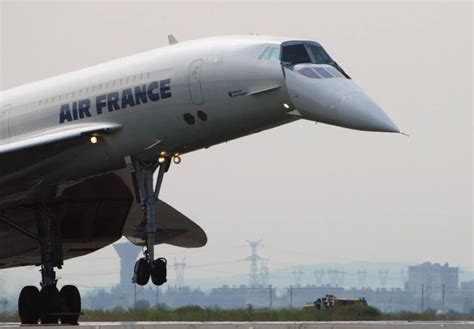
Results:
195 89
4 123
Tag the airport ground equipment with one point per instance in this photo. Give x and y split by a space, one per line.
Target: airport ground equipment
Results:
78 151
331 302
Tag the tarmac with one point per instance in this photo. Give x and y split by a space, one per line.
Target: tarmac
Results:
257 325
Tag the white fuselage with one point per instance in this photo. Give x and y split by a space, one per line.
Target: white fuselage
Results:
235 92
171 100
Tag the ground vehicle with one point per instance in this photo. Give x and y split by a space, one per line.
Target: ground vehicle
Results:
332 302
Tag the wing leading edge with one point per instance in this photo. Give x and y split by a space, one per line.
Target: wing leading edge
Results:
56 135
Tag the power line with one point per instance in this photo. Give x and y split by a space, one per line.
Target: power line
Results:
383 277
297 275
264 273
361 277
179 268
318 275
254 259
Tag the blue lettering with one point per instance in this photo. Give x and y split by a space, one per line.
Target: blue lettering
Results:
140 95
127 98
165 88
100 103
112 101
84 107
151 95
74 110
65 113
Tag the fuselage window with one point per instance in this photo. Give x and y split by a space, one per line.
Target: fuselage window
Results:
295 54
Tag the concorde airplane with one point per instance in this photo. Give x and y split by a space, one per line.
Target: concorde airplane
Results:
78 151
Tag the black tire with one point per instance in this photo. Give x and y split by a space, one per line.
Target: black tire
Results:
159 272
142 272
70 303
49 305
28 305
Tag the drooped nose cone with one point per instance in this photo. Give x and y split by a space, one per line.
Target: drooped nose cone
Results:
357 111
334 100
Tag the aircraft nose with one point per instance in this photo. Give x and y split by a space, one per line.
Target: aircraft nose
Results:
357 111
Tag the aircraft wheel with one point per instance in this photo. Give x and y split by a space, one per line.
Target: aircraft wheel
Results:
142 272
158 272
49 305
28 305
71 304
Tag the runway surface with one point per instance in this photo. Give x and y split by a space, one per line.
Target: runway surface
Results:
258 325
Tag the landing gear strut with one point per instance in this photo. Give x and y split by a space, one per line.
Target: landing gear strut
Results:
148 266
49 305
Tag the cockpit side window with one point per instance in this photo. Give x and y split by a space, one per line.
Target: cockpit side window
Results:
265 53
275 53
295 54
270 53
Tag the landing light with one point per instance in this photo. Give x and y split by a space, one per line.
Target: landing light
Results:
286 106
161 159
93 140
177 159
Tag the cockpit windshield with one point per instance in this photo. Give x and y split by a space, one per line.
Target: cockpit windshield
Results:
319 54
297 52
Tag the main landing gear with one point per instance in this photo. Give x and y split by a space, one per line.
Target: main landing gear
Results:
148 266
48 305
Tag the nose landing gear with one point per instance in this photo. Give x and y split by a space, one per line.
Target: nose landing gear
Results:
148 266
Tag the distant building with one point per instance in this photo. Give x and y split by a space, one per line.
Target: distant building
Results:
467 292
432 284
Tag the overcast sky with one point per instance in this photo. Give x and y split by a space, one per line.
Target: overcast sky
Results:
312 193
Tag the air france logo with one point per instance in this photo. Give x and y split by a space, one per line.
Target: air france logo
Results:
117 100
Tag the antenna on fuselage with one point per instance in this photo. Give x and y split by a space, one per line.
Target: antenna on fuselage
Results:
172 40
